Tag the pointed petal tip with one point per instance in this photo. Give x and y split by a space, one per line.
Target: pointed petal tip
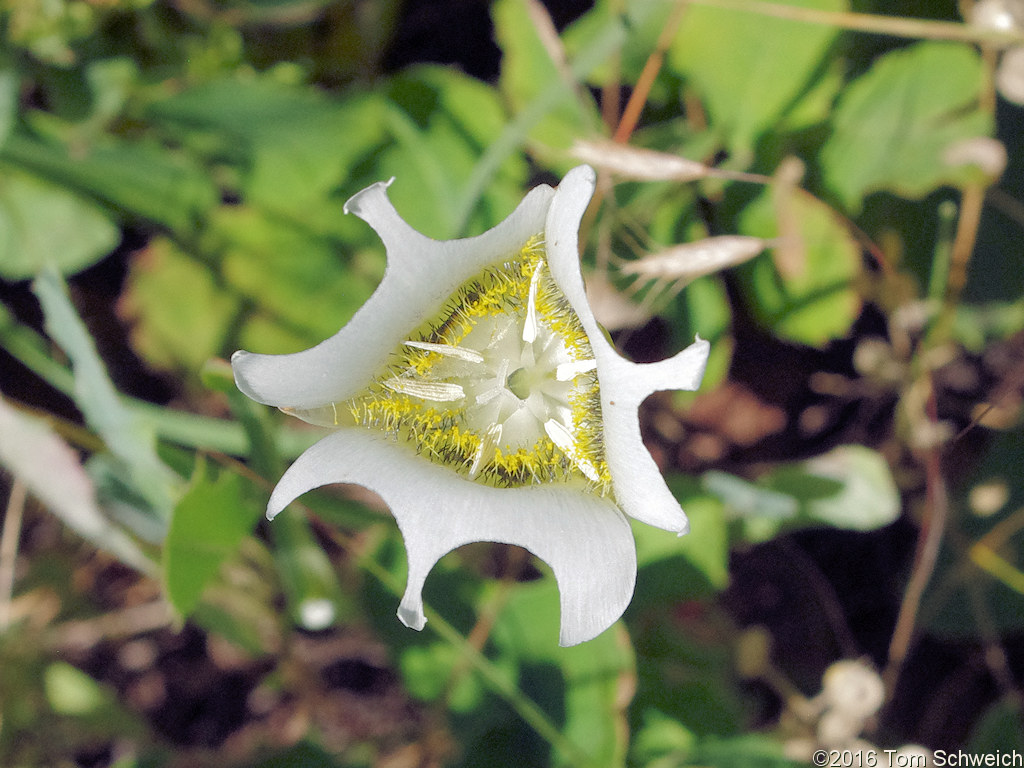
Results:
352 204
413 618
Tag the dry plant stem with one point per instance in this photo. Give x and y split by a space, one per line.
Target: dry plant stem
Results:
894 26
547 33
611 90
963 243
127 622
637 99
928 543
9 549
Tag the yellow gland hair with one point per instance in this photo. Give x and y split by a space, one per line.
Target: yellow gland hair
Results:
423 396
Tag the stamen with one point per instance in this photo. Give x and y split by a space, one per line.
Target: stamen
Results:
500 385
486 450
569 371
561 437
530 324
469 355
441 391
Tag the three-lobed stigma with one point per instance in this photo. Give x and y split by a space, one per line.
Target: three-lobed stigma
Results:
500 386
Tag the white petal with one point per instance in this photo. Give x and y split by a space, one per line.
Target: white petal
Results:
421 275
585 539
638 485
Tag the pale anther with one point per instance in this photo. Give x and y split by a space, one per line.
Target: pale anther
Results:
561 437
441 391
569 371
469 355
530 324
486 449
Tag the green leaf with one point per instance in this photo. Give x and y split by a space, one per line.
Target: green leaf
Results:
593 674
52 472
8 102
208 524
71 691
297 279
750 69
294 144
178 310
747 751
124 434
442 122
850 487
894 123
42 224
139 180
674 568
820 302
527 73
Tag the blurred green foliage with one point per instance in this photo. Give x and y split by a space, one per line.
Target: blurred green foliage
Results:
209 146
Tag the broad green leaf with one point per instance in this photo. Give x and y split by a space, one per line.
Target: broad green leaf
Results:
8 102
139 180
104 410
820 301
750 68
675 567
42 224
893 125
208 523
178 310
593 674
747 751
53 473
527 73
850 487
294 144
644 22
70 691
703 309
437 670
303 282
442 122
661 740
532 117
239 604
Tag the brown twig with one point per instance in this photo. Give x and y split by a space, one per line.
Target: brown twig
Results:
644 83
928 543
9 548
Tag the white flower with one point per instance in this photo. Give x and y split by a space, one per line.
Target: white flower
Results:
476 394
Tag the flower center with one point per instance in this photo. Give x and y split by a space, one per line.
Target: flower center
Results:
501 386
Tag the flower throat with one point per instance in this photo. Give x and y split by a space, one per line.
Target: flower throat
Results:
500 386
